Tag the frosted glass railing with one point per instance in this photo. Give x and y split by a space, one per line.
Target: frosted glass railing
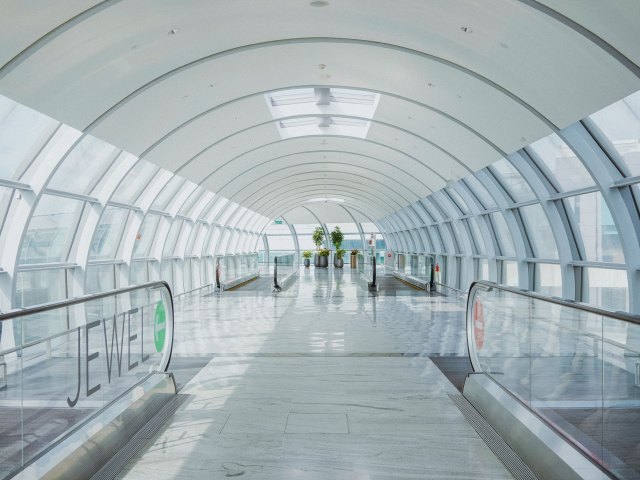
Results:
230 268
367 267
574 365
62 363
283 266
417 266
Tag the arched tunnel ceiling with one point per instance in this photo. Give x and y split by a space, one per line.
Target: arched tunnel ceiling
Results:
183 84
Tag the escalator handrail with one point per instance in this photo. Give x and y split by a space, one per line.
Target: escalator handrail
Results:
617 315
47 307
488 286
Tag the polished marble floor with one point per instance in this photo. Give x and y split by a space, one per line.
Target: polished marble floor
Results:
322 381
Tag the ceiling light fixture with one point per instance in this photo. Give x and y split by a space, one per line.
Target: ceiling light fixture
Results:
319 3
466 29
173 31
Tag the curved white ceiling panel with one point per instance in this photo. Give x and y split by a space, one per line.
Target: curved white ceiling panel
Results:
454 86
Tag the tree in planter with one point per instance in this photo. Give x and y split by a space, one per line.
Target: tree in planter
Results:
323 258
306 255
337 237
318 240
318 237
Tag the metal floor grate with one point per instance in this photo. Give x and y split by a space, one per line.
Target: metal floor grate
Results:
120 460
498 446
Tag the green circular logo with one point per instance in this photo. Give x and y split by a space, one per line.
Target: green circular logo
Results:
159 326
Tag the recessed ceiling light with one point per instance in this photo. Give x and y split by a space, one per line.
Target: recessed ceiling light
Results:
173 31
319 3
466 29
429 84
322 66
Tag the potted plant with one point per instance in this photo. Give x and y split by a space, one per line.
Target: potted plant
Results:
338 262
318 239
323 258
354 258
337 238
306 255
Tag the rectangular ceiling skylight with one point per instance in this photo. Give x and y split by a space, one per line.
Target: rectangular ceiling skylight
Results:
322 111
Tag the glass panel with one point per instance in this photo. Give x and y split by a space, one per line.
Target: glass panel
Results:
222 244
191 201
503 235
458 200
461 235
172 238
306 242
483 269
213 242
607 288
477 236
287 265
134 182
512 181
284 243
509 273
216 208
620 122
193 236
40 286
226 213
600 239
51 230
84 166
567 171
548 279
435 238
368 227
23 132
539 232
167 193
480 191
145 236
100 278
447 204
305 228
106 238
6 195
138 272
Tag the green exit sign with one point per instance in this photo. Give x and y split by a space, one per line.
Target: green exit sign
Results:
278 221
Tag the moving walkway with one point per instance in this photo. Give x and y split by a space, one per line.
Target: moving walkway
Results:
558 380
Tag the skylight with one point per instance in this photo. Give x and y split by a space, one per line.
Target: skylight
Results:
322 111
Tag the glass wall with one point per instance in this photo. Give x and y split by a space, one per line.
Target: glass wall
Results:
559 216
79 215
